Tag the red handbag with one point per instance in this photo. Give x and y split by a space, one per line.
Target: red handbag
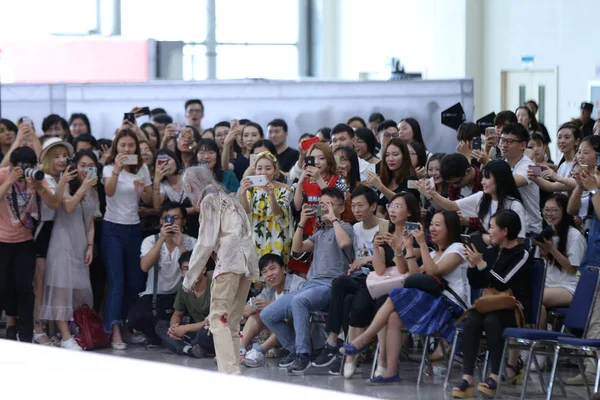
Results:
88 329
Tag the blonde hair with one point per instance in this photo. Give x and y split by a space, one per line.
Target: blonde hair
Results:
47 164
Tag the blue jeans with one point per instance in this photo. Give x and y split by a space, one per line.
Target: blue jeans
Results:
121 252
313 297
203 338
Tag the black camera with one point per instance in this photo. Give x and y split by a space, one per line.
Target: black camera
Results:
545 234
30 171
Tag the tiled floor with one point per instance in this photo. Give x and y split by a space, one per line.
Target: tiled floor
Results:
431 387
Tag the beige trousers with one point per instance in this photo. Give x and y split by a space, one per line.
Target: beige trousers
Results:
228 298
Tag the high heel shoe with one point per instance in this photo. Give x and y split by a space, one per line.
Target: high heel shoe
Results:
463 390
517 378
490 389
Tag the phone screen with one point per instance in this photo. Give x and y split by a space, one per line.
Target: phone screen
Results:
477 143
465 239
410 227
309 161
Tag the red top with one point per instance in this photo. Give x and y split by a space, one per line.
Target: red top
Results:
312 194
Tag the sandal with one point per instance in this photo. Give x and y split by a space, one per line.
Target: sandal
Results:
463 390
517 378
41 338
490 389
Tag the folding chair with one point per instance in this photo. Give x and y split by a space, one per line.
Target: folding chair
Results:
536 341
475 293
576 347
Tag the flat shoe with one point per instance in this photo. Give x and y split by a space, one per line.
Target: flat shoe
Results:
118 346
349 349
380 380
350 368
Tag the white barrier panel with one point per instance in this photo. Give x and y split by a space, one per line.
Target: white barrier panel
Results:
39 372
306 106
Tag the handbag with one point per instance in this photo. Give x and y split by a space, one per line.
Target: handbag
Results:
427 283
380 285
492 300
88 329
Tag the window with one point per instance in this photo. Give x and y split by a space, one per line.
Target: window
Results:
177 20
194 62
257 61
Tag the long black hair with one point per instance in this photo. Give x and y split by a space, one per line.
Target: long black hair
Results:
354 174
171 153
75 184
412 206
562 229
416 128
211 145
506 188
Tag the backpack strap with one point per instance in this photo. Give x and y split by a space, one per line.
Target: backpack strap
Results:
155 286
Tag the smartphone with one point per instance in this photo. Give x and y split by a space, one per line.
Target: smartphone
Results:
338 160
129 117
169 219
162 160
384 226
145 111
371 167
536 170
257 180
307 143
477 143
318 211
411 184
410 227
26 121
490 130
132 159
92 172
466 240
309 161
253 160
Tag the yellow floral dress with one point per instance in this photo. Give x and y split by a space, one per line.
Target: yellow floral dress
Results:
271 233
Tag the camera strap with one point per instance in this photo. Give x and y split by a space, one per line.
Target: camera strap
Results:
15 204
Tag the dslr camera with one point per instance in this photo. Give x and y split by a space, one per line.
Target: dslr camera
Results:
545 234
33 172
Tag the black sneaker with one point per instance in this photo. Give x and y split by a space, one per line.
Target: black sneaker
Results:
327 356
287 361
336 367
301 364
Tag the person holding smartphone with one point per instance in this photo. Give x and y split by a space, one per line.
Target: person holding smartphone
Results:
319 172
163 250
126 180
268 209
54 162
67 282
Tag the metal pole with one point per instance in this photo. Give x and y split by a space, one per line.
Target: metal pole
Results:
211 39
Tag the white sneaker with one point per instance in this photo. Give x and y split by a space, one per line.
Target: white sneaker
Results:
70 344
254 358
350 368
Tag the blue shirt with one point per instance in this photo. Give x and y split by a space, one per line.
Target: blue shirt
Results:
230 182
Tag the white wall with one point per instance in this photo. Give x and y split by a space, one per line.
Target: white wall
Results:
427 35
560 33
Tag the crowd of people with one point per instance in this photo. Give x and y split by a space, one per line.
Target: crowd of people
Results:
121 226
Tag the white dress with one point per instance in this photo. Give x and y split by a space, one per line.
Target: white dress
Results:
67 280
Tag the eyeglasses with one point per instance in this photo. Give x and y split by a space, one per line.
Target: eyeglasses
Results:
177 218
391 135
194 111
508 141
393 206
207 153
551 210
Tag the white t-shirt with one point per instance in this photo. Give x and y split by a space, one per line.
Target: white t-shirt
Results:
363 240
469 206
122 207
530 194
564 170
457 279
168 274
48 213
558 277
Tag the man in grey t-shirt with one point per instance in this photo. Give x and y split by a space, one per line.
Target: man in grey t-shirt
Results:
332 253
